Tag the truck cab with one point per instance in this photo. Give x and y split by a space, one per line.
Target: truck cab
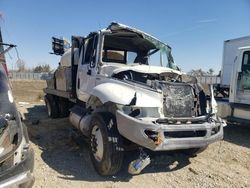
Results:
240 90
239 97
114 52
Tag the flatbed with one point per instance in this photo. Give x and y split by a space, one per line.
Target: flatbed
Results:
64 94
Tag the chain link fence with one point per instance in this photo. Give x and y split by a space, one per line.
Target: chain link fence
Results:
29 76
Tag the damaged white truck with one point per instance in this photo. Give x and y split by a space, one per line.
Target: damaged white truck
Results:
121 89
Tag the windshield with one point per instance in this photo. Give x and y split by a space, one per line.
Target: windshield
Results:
133 48
161 57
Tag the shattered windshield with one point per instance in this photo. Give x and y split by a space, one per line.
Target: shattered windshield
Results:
126 47
161 55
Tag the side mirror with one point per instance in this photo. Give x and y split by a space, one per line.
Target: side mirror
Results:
59 46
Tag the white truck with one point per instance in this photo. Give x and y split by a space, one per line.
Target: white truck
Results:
122 90
230 51
235 75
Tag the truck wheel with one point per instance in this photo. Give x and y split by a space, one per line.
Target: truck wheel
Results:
63 106
106 152
52 107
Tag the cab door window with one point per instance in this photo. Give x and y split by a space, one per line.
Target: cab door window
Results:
246 62
245 69
90 52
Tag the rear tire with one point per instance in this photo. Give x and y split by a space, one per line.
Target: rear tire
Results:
52 106
63 106
106 150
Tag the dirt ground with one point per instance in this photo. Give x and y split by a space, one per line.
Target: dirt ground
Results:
28 90
61 161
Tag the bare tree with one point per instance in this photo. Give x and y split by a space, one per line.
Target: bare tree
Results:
20 65
197 72
1 16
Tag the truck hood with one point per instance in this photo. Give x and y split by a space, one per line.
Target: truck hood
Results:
110 69
114 26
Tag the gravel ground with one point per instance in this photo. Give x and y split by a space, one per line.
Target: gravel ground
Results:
61 161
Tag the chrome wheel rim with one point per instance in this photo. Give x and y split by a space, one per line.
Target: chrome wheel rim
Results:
97 143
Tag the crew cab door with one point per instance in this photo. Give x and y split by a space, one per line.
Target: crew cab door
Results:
86 74
243 78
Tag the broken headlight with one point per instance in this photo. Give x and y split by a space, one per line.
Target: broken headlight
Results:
8 135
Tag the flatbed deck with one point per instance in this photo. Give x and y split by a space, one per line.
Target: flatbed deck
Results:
64 94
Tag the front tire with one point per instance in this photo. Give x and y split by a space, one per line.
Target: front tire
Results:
106 150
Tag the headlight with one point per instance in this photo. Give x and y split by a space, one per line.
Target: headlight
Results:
139 112
8 136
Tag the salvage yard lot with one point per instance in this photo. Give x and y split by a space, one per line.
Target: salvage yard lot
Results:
61 161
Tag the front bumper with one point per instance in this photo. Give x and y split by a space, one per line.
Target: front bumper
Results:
21 174
25 178
170 136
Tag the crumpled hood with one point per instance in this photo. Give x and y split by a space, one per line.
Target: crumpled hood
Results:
113 68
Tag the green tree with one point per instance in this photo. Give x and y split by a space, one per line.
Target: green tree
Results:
210 72
42 68
21 65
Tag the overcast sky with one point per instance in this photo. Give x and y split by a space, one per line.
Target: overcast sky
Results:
194 29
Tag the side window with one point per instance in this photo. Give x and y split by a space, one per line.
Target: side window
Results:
82 53
246 61
131 57
246 58
114 56
90 50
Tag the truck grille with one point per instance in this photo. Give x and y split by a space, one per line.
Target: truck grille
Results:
185 134
178 100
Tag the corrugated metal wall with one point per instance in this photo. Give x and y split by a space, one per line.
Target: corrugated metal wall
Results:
209 79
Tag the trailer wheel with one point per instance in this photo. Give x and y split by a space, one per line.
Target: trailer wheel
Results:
106 150
52 107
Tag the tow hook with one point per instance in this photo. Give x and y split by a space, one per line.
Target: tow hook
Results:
136 166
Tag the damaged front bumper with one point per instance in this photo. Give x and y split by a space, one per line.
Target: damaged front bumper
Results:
159 135
20 175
